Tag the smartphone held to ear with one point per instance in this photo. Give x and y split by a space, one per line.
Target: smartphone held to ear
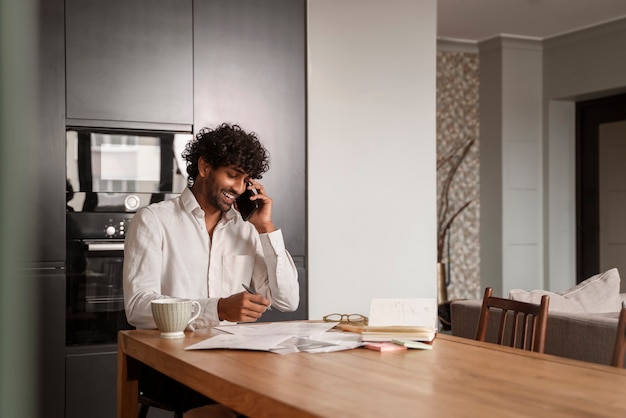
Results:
246 206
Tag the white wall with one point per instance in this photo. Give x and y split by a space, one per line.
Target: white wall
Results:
511 169
560 194
371 152
521 161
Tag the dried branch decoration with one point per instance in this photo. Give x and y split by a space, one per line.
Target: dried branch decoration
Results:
445 214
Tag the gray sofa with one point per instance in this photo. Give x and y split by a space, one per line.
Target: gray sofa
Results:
576 335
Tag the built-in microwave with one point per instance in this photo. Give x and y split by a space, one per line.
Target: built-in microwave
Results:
115 170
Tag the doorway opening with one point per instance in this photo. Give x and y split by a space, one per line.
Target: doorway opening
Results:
600 185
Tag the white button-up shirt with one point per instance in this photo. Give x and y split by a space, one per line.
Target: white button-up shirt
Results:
168 253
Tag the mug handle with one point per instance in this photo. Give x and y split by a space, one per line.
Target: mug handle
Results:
196 303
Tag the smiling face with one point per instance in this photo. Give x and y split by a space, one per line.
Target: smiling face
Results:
217 188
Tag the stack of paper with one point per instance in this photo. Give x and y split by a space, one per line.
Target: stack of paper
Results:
406 319
390 333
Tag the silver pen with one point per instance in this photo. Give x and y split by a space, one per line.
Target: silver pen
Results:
252 292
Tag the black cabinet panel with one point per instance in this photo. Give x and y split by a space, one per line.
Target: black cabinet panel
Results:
47 158
250 68
91 383
49 287
129 60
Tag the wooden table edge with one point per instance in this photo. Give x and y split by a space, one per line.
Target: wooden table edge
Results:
129 371
542 356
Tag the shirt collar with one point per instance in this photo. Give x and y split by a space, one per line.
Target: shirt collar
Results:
189 201
192 206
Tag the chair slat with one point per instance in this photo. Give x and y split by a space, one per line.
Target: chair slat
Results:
527 332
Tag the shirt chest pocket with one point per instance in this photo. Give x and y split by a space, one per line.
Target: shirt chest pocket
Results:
236 270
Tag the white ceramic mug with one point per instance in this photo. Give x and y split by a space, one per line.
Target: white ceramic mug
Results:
172 315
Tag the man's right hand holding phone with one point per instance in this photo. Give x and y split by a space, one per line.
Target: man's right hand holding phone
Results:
262 217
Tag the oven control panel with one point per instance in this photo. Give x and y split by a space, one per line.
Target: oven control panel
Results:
90 225
115 229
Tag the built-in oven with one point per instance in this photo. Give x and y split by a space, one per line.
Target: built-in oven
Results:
110 175
95 258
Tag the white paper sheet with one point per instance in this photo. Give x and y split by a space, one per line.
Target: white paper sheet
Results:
240 342
280 337
299 329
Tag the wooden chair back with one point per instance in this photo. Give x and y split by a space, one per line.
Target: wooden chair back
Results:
528 334
620 340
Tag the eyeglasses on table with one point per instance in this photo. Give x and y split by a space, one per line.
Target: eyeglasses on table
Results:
355 319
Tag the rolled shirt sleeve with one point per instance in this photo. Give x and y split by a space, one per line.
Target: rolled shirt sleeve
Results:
281 286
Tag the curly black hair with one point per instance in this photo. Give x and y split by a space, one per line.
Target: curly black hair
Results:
224 146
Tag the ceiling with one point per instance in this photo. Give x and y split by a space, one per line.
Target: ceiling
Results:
477 20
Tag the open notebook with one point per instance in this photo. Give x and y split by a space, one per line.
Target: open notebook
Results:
412 319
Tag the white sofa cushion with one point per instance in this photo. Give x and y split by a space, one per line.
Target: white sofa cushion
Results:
597 294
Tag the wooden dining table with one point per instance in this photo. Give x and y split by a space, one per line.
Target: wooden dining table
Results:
458 377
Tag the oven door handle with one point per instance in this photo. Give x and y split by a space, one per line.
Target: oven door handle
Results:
105 246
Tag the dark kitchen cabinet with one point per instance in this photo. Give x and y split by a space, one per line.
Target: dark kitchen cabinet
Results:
250 69
129 61
91 374
49 301
40 272
47 159
43 267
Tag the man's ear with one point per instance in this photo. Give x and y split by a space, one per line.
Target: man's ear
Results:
204 168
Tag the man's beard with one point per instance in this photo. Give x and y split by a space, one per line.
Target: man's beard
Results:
218 200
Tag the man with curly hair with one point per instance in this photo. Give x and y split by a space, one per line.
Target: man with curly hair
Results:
197 245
